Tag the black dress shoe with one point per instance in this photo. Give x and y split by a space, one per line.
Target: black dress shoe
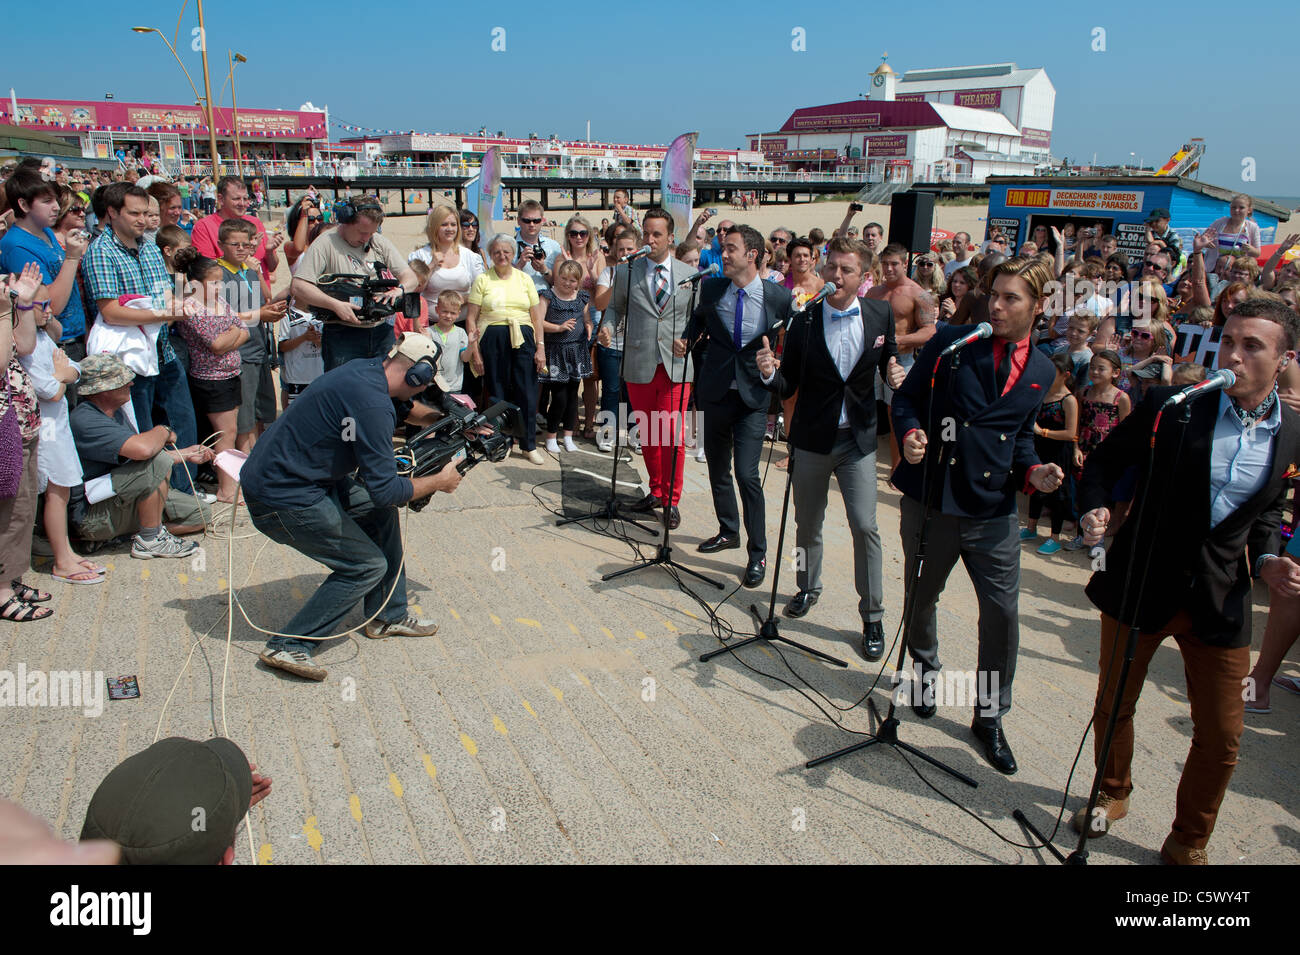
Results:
873 641
923 695
674 518
718 542
648 503
755 572
800 603
996 749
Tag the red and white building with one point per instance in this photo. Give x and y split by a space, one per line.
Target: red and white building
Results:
961 124
176 134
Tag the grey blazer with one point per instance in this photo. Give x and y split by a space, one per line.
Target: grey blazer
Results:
648 339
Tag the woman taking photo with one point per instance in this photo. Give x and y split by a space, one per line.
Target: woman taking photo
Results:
506 312
1236 233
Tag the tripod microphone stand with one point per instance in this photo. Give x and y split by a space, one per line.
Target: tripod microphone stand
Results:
768 628
1080 854
676 433
887 732
612 509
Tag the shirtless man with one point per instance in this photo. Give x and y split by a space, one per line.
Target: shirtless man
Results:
913 326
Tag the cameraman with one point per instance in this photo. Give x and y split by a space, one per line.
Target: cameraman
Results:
352 248
301 491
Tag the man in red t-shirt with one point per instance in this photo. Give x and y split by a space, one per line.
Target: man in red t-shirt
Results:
232 203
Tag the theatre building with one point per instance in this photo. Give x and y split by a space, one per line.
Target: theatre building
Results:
961 124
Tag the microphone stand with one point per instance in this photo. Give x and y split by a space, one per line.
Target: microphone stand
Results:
1080 854
664 552
768 628
612 510
887 732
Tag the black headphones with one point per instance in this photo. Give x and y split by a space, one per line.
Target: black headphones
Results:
346 210
420 374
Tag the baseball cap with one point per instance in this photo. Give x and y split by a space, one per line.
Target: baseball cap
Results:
1158 214
419 348
178 802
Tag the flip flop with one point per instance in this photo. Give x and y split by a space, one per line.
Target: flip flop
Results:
91 566
1288 683
80 577
1262 710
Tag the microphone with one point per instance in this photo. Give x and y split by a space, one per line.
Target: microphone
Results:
644 250
1221 379
982 330
701 274
828 289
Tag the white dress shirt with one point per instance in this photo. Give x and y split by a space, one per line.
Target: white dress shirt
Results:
845 340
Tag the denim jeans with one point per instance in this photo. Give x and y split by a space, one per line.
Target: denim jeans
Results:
143 389
171 403
608 365
339 344
360 543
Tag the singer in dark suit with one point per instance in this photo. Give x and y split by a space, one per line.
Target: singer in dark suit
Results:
1223 463
735 312
968 446
831 359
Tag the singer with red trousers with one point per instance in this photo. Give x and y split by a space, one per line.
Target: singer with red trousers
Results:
1209 526
658 381
968 442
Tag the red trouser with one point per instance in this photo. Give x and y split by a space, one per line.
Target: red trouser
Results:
1214 683
661 404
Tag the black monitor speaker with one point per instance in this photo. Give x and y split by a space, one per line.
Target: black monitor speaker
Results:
911 215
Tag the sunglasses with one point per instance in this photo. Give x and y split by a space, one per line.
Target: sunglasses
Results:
77 211
924 264
576 234
1154 265
531 221
469 225
1144 336
315 218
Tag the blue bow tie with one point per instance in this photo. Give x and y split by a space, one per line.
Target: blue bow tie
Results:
836 314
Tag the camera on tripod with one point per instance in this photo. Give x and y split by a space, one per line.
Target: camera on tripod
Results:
361 291
464 435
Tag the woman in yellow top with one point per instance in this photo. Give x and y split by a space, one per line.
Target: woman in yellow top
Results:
503 303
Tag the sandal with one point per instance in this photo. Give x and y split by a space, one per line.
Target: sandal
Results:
29 594
1288 683
20 611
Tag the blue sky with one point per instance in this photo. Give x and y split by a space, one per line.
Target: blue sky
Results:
646 72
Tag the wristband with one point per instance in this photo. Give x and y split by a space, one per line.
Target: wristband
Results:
1259 562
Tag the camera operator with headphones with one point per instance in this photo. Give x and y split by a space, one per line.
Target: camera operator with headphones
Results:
301 491
352 248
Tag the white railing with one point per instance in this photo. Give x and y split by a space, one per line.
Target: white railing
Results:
353 169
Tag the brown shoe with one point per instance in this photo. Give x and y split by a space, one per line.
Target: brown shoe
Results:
1175 853
1108 810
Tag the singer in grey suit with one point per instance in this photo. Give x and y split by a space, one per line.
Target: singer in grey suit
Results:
658 381
736 312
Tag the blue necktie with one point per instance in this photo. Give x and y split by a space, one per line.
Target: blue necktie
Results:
740 318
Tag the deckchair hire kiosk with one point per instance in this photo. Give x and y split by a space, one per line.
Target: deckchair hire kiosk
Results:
1120 205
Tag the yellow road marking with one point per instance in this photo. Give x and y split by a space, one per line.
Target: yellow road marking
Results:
559 695
528 623
499 726
429 768
395 785
264 854
314 838
529 707
607 632
354 806
471 747
641 636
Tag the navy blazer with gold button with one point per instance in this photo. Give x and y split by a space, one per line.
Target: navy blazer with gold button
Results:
980 445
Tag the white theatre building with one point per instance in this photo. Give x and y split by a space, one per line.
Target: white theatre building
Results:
961 124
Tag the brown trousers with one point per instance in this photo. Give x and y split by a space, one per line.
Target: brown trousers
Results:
1215 678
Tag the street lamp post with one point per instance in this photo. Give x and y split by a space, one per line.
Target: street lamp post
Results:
207 84
234 108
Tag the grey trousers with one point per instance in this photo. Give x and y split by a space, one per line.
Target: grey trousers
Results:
990 549
856 474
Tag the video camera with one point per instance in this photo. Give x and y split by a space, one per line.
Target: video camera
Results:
360 290
459 437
